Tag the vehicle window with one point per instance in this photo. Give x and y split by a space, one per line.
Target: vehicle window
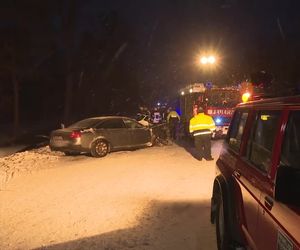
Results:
140 117
87 123
237 129
112 123
290 153
222 98
132 124
263 134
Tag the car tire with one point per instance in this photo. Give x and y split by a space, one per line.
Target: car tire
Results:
221 226
100 148
153 139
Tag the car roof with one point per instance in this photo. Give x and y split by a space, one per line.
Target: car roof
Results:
108 117
278 101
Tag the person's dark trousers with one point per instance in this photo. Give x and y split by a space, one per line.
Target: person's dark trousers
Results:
203 146
172 127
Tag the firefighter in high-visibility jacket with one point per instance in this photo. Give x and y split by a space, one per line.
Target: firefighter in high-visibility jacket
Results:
201 127
173 120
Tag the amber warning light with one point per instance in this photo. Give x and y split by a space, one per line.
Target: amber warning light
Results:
246 96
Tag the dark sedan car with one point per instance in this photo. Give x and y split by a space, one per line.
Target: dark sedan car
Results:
100 135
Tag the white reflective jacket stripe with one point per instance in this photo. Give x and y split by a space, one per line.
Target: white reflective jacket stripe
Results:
202 133
197 126
202 125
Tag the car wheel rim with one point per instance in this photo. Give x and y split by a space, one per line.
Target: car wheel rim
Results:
101 148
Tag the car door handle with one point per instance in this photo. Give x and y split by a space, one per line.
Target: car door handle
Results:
268 202
237 174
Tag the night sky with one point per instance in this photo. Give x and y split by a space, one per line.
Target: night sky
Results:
67 60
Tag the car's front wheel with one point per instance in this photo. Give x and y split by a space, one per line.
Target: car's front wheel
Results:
100 148
221 227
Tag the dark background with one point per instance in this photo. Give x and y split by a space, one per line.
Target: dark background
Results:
63 60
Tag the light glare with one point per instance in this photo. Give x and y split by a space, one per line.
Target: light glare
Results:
211 59
218 120
204 60
246 96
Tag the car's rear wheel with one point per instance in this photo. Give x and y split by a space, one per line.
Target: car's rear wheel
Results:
100 148
221 226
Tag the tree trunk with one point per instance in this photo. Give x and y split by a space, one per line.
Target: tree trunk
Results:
69 27
68 97
16 106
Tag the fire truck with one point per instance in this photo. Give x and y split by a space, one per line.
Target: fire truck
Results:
218 102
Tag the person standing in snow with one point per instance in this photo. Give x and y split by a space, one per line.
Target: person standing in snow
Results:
201 127
173 120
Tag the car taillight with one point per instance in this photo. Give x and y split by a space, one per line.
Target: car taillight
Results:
75 134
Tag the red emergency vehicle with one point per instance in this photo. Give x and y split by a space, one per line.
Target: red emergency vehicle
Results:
218 102
256 191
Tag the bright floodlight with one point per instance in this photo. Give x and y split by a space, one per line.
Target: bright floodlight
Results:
191 90
182 92
211 59
204 60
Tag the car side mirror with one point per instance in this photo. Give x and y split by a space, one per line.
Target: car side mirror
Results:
287 186
62 125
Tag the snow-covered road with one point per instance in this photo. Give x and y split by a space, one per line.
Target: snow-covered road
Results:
153 198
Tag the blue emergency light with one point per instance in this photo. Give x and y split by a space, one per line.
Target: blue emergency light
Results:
208 85
218 120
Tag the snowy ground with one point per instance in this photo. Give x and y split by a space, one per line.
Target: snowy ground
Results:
153 198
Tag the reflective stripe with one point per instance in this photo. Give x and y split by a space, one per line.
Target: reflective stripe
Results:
211 130
202 133
202 125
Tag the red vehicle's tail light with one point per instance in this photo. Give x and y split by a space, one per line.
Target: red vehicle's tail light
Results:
75 134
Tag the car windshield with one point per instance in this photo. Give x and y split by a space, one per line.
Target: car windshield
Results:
86 123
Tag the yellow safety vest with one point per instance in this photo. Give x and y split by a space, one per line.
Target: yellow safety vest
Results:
173 114
202 124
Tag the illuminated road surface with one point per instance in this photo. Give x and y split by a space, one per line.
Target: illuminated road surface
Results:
153 198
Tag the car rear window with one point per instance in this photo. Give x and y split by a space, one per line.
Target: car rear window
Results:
86 123
290 153
261 141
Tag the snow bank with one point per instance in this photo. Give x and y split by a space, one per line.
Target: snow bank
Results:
27 161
